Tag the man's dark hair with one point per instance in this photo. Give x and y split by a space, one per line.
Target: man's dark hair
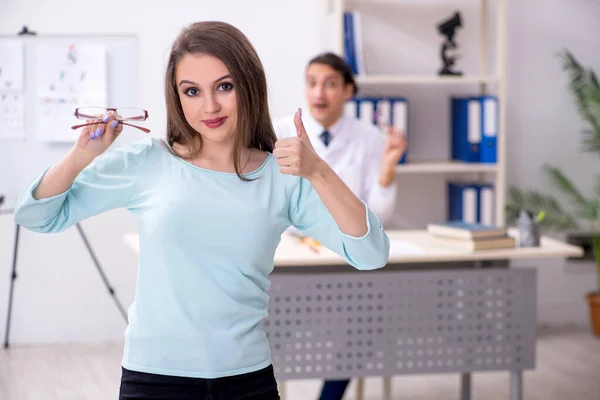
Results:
339 65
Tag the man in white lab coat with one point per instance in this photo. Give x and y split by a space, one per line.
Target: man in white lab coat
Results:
364 156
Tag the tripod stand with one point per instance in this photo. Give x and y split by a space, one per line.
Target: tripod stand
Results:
13 275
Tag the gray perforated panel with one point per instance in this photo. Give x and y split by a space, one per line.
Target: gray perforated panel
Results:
335 325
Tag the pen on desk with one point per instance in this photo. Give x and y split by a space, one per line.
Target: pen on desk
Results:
313 248
305 240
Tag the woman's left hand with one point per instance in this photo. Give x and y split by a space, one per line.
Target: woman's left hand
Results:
296 155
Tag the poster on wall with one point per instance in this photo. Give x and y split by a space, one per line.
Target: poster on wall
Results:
12 87
12 115
67 77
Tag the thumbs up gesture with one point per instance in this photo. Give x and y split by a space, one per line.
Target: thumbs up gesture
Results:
296 155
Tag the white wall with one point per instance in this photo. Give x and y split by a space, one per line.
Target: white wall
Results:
544 127
59 295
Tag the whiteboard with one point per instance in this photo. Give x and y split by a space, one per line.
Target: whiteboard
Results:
23 157
70 76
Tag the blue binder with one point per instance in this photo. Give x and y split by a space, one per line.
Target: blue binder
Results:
381 111
351 108
471 202
349 42
466 129
463 202
474 128
393 111
399 119
366 109
486 201
489 129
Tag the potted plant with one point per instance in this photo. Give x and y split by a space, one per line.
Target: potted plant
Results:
583 85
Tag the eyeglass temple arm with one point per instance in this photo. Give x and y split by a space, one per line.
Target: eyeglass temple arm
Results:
121 122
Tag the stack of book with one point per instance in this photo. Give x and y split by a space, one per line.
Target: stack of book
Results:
470 236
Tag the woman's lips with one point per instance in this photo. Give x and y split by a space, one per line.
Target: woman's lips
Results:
214 123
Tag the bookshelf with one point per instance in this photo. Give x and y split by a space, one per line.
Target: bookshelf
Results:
482 80
445 167
425 79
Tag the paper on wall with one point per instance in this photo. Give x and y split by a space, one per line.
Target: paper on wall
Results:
68 76
11 89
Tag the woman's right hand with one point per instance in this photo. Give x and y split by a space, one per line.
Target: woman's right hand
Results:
95 139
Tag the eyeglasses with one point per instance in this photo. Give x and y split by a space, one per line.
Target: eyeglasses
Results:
122 114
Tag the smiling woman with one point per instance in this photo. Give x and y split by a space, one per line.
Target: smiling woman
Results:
212 202
209 84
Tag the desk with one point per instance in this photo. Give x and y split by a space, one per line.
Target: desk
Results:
424 250
430 310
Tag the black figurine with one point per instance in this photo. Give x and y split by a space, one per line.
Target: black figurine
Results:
25 31
448 28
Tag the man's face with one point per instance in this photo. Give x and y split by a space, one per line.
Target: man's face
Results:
326 93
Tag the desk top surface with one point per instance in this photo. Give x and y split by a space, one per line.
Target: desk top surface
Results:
409 246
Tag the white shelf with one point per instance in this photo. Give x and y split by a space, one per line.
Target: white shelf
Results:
444 167
425 79
428 3
488 78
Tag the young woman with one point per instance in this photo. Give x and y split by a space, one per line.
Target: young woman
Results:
212 201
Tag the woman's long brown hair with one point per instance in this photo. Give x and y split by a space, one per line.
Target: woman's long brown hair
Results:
227 43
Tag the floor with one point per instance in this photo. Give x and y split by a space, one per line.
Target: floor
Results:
568 368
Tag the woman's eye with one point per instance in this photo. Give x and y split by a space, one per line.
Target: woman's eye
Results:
191 92
225 86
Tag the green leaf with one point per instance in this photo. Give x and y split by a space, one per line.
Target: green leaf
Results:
516 194
564 184
594 79
585 89
596 251
591 141
511 213
586 92
595 200
555 219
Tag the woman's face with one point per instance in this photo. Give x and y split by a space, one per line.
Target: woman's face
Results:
208 97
